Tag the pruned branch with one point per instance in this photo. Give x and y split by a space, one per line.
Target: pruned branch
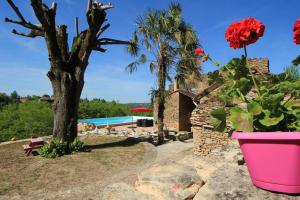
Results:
76 27
108 41
96 14
16 9
25 24
22 21
105 6
54 6
99 49
62 40
89 7
104 28
40 11
32 34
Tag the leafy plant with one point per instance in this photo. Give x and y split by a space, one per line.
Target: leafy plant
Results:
54 148
292 72
77 145
275 108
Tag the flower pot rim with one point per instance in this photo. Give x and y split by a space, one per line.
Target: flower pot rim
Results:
266 135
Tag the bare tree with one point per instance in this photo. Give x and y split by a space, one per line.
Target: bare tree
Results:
67 65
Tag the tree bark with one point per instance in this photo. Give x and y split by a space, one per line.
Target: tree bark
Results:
161 97
67 88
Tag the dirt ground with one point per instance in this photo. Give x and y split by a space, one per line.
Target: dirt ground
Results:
34 177
80 175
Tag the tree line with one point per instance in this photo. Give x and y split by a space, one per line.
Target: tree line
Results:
20 120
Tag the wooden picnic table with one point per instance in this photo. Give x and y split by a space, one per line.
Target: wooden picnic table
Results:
35 143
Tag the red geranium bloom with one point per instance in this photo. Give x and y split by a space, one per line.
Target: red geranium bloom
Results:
199 51
296 30
244 32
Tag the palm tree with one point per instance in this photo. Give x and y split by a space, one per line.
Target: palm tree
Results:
169 42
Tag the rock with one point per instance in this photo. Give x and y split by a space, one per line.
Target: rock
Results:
81 127
184 135
123 191
241 160
231 181
91 126
169 182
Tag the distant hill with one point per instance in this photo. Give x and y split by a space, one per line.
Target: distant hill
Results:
139 105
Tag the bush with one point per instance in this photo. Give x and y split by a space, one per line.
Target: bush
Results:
54 149
77 145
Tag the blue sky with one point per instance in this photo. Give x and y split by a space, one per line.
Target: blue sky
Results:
24 61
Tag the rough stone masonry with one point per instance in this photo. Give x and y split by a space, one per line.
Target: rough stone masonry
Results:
205 138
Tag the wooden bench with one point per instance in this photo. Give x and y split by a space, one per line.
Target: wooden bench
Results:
35 143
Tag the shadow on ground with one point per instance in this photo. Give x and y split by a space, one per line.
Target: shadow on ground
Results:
123 143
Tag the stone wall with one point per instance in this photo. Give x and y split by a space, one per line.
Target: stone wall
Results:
205 138
171 113
178 108
260 65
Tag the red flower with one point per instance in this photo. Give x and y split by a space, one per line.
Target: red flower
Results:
296 30
244 32
199 51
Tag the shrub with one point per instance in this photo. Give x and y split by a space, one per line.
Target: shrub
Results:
77 145
54 149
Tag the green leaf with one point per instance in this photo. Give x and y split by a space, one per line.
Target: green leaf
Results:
272 101
143 59
254 108
241 120
296 61
244 85
218 119
153 66
295 126
296 113
270 121
292 104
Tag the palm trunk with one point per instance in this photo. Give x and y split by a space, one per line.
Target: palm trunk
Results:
161 99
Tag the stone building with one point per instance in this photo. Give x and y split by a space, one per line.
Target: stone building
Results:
205 138
178 109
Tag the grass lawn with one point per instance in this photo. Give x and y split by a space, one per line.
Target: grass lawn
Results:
25 175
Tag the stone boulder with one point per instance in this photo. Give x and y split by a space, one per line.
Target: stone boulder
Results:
81 127
169 182
123 191
184 135
231 181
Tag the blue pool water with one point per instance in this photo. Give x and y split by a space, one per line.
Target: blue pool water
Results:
112 120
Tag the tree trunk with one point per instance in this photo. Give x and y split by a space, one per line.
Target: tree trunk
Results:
161 99
67 88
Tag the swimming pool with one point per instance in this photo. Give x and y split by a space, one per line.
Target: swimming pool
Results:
112 120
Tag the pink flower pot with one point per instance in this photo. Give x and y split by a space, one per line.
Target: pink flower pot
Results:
273 159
